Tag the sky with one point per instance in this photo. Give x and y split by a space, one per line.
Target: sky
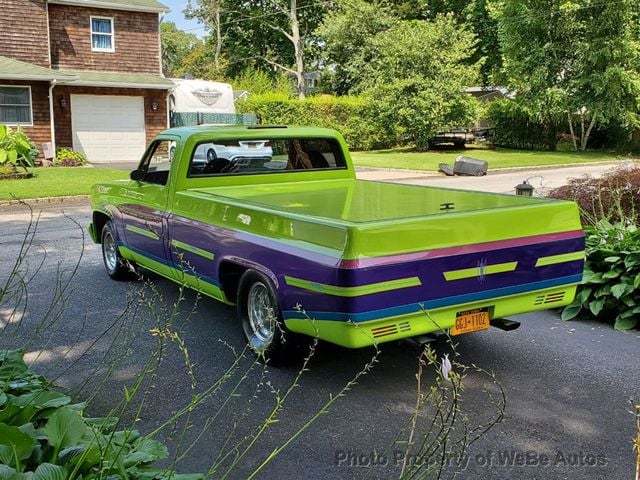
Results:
176 16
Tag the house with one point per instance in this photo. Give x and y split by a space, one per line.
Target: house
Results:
85 74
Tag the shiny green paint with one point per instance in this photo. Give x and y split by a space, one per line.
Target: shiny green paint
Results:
353 291
180 276
190 248
353 219
563 258
143 232
479 271
352 335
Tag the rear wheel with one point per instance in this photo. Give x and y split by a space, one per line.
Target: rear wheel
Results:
115 265
260 316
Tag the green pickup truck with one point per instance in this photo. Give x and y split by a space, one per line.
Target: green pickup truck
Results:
273 220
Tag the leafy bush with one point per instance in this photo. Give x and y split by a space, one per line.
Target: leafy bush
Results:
43 436
515 127
67 157
615 196
16 150
351 116
610 288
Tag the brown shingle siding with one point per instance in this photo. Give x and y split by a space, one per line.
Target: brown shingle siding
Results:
135 38
23 31
40 132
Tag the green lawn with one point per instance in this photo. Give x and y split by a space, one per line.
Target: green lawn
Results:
499 158
57 182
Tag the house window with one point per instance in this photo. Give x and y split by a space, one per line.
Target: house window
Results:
15 105
102 34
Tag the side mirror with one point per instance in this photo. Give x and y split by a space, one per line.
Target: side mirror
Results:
137 175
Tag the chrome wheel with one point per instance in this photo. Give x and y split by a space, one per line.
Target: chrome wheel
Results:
261 313
109 251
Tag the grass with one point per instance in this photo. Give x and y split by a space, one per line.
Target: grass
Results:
405 158
57 182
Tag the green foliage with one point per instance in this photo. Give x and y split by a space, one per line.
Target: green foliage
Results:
67 157
610 289
573 62
517 127
176 47
416 82
259 82
16 150
43 436
351 116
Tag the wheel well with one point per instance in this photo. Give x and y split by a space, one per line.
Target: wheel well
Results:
230 274
99 221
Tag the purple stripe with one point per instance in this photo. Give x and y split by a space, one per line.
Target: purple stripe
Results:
450 251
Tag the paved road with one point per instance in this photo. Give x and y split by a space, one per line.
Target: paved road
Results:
567 384
498 181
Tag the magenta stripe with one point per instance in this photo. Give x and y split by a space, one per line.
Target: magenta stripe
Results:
446 252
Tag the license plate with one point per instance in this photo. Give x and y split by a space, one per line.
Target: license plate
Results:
471 321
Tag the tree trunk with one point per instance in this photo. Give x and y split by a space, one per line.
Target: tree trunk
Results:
298 48
216 58
585 136
573 135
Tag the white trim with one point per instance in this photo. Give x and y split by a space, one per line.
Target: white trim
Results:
51 118
110 6
30 106
48 36
89 83
112 35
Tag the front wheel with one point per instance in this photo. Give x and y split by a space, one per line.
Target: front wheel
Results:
260 316
115 265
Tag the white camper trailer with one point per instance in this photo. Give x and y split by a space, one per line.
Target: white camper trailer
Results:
200 98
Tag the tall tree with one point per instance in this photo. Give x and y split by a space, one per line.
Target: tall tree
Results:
417 76
176 47
348 34
258 33
577 61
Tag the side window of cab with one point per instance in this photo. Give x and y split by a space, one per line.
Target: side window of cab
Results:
155 165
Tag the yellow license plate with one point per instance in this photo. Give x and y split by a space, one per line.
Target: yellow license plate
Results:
471 321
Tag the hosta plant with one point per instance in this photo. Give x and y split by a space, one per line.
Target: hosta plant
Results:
610 289
44 436
67 157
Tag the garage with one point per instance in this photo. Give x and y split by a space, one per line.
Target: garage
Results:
107 128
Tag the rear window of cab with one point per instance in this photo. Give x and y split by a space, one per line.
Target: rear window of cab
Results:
260 156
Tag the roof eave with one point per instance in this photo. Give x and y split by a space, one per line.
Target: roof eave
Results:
33 78
110 6
89 83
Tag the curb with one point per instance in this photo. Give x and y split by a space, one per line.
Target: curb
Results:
45 200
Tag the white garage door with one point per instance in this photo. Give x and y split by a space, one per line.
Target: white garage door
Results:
108 128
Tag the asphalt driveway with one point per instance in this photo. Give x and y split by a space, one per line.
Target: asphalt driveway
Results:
568 385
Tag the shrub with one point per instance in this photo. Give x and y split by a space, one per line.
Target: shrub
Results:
44 436
516 127
614 197
610 289
16 150
351 116
67 157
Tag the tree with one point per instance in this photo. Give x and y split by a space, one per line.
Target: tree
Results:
417 76
573 61
348 34
259 33
176 47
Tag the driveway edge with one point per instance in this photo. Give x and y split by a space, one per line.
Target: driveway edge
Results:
44 200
